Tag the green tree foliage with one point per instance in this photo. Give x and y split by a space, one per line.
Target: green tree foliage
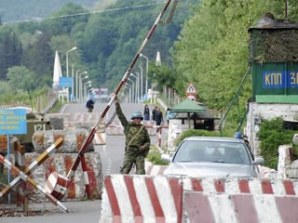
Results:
63 43
162 76
272 135
212 50
20 77
111 40
107 42
39 58
65 19
10 51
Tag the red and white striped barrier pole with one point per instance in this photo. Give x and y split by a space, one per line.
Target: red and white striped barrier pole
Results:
89 139
19 154
28 170
30 180
86 177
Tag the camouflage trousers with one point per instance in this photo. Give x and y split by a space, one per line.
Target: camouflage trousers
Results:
130 160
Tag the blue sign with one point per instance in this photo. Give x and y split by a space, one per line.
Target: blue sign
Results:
65 81
13 121
272 79
292 79
280 80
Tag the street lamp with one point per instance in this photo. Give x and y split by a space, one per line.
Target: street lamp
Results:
67 52
67 69
137 85
142 83
126 92
80 84
78 75
147 64
132 96
89 83
81 88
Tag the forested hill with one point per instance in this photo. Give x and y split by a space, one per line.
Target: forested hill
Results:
107 37
20 10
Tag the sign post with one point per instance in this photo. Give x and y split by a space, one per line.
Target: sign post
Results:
66 82
12 121
191 92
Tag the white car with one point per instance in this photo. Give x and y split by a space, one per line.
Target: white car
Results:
221 157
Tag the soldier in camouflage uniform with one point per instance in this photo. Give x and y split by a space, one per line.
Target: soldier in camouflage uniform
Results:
137 141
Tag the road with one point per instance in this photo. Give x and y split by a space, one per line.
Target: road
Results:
111 156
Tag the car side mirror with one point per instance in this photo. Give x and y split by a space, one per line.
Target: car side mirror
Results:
259 160
166 157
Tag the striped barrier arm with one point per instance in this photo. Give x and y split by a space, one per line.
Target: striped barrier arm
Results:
28 170
30 180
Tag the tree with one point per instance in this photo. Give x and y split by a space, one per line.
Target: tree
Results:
162 76
10 51
212 48
39 58
65 19
20 78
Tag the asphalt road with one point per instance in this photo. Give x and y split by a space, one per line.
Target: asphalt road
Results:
80 211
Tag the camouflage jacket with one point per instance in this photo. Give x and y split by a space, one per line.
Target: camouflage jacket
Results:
130 130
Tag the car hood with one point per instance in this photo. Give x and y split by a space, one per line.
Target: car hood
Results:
204 169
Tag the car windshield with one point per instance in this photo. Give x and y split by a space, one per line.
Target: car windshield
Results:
212 151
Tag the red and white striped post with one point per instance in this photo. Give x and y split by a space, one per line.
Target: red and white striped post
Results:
30 180
19 154
28 170
86 177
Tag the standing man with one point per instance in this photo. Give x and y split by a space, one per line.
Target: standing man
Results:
158 118
159 122
154 113
137 141
90 101
146 113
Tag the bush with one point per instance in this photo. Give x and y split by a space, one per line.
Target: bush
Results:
272 135
154 157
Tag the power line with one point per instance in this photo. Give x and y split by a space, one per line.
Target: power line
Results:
87 13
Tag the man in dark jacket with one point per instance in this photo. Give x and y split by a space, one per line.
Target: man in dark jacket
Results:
137 141
158 117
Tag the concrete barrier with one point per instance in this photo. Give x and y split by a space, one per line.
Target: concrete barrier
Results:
210 186
136 198
61 163
239 208
115 128
154 170
99 138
